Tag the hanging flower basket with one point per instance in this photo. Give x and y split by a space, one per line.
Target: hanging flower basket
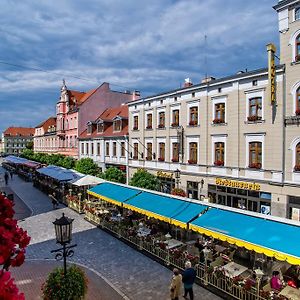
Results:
175 160
219 163
192 162
255 166
297 112
193 123
174 124
218 121
297 168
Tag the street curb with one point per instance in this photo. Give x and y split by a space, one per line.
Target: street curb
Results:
90 269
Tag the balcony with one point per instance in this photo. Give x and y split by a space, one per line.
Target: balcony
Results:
292 120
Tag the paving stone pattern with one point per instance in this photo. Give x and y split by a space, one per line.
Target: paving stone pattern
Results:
128 270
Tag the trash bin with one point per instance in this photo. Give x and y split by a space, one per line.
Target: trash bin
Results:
10 197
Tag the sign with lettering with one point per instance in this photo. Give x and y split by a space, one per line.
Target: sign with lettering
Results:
164 174
272 72
238 184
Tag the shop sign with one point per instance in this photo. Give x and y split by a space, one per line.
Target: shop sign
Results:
272 72
164 174
238 184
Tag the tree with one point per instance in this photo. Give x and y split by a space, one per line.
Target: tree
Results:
27 153
114 174
86 166
13 241
29 145
142 178
67 162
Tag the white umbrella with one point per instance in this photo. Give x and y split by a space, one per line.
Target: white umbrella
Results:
87 180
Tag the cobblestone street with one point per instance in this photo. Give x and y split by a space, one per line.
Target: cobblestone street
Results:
127 270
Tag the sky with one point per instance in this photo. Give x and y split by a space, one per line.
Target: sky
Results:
150 46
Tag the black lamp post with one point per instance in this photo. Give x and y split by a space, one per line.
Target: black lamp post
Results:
63 232
177 177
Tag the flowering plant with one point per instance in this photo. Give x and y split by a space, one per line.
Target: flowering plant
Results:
218 121
297 112
253 118
255 166
135 128
135 157
161 159
297 58
297 168
149 127
8 289
175 159
174 124
192 162
219 163
161 125
178 192
193 123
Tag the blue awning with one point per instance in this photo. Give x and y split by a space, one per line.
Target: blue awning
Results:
266 236
113 193
59 173
15 159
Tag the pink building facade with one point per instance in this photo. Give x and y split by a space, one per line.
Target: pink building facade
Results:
75 109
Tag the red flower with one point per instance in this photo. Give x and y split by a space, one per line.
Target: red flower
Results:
297 112
192 162
219 163
175 159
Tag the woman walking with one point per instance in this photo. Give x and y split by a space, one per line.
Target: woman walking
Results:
175 287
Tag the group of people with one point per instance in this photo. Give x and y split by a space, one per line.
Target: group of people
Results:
187 279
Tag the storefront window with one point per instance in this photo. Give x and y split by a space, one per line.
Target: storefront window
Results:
294 208
192 189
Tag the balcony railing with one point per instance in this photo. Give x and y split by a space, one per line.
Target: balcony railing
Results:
292 120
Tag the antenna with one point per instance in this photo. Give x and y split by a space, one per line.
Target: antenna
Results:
205 56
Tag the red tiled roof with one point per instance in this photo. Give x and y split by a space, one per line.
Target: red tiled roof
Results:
49 122
107 116
19 131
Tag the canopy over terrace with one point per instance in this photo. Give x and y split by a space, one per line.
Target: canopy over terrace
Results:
262 235
171 210
59 173
15 159
271 237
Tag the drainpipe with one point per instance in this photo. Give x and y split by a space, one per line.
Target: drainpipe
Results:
127 159
283 126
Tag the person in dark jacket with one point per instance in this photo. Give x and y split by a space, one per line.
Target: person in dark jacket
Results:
188 279
6 176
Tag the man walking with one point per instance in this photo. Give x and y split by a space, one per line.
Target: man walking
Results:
188 279
11 173
6 178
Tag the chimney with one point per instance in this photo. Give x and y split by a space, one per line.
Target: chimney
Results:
136 95
208 79
187 82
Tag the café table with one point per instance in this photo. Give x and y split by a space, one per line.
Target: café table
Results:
142 232
291 293
233 269
172 243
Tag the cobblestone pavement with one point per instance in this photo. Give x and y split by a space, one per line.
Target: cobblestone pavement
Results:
128 270
32 274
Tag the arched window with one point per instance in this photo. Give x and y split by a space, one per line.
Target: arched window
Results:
297 158
298 101
297 13
297 58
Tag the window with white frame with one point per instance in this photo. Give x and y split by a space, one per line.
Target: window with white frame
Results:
297 158
297 48
193 153
122 149
298 102
100 127
255 151
92 148
255 105
297 13
161 151
98 149
219 110
107 148
218 150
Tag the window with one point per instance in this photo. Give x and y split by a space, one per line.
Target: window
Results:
254 83
100 127
298 102
122 148
193 153
135 150
162 119
255 155
297 58
219 113
135 123
297 13
92 148
149 121
87 148
117 125
255 109
107 149
219 90
175 118
161 152
114 148
89 129
149 151
98 149
175 152
193 116
193 94
219 154
297 158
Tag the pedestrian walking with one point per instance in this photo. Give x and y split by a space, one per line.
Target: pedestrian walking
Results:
54 200
6 178
11 173
176 283
188 279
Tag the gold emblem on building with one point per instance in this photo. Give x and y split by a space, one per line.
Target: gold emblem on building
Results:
164 174
238 184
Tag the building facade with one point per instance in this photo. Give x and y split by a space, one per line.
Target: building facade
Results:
236 139
15 139
45 138
106 139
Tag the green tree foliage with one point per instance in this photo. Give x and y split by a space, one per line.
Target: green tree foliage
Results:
142 178
86 166
114 174
67 162
72 286
29 145
27 153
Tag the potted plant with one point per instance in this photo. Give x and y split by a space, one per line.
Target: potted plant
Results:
178 192
149 127
297 168
219 163
255 166
174 124
218 121
135 128
135 157
297 58
161 159
297 112
192 162
175 159
161 125
193 123
73 285
253 118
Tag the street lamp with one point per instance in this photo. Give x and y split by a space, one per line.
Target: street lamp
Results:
177 177
63 232
259 274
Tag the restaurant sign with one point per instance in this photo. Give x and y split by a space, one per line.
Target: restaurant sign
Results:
164 174
238 184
